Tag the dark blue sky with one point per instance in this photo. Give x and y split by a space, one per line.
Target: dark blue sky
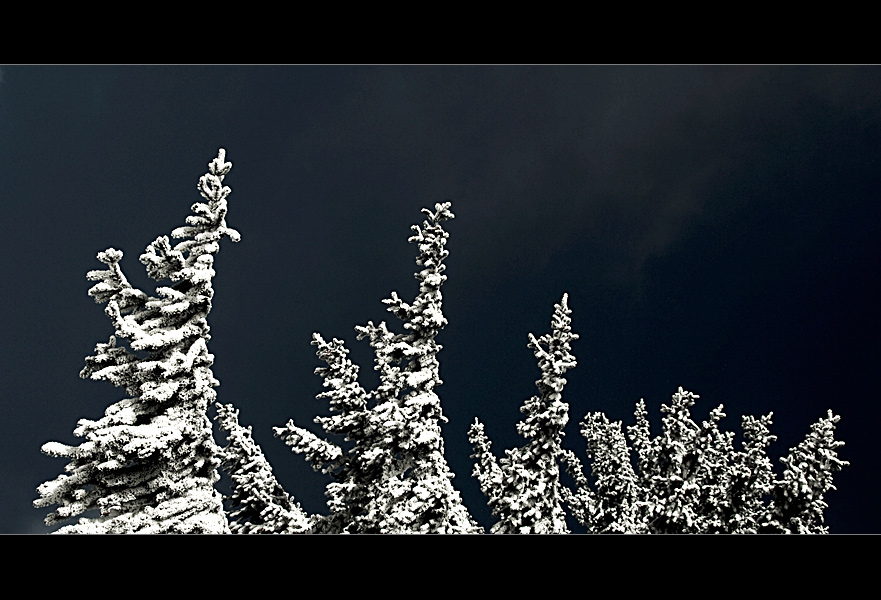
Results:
716 228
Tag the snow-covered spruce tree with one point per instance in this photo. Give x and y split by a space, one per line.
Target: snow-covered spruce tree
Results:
798 499
150 464
612 508
393 477
523 489
690 478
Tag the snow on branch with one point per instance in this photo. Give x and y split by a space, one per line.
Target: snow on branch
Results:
258 503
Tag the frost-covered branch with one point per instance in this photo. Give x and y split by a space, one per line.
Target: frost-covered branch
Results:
258 503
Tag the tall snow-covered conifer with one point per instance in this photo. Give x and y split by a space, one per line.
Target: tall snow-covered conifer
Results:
150 464
523 488
394 478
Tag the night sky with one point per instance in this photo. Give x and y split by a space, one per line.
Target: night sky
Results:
716 228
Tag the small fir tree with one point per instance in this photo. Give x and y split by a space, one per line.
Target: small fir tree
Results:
523 489
150 464
799 498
